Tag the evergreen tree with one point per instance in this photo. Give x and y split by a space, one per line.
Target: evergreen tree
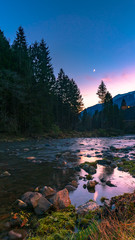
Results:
69 100
101 92
20 53
86 121
5 52
31 100
44 83
108 110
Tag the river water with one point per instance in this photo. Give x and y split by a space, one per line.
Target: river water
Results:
54 163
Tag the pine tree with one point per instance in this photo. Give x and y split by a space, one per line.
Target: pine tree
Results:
108 110
5 52
44 83
102 92
20 53
69 100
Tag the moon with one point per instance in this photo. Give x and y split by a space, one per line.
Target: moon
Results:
94 70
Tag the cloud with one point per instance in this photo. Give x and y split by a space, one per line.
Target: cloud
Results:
107 79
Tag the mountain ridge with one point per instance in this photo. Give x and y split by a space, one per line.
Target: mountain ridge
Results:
129 98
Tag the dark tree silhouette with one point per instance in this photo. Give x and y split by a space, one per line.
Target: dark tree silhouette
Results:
101 92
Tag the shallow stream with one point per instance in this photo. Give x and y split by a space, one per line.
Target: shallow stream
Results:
54 164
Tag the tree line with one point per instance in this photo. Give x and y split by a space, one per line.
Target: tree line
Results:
32 99
110 117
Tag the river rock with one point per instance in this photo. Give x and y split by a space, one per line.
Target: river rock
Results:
17 234
85 208
31 158
74 183
31 198
108 183
5 174
42 206
104 162
102 180
112 148
89 169
26 149
70 188
61 199
113 165
66 154
91 184
80 177
47 191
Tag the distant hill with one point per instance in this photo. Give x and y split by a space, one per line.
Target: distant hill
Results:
129 98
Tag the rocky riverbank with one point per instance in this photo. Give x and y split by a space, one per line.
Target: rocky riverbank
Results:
85 172
48 214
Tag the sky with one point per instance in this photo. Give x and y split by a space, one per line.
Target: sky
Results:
82 35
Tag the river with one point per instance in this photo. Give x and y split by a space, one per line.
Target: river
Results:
54 164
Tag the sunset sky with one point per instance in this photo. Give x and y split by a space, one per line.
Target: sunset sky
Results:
82 35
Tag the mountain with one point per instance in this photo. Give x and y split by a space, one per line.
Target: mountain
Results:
129 98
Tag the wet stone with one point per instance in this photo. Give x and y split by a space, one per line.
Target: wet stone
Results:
85 208
31 198
17 234
42 206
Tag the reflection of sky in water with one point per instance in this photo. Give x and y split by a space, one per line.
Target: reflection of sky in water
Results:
81 149
124 182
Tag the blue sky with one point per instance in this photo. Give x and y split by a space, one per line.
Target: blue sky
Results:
82 36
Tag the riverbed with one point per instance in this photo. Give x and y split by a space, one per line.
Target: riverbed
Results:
54 163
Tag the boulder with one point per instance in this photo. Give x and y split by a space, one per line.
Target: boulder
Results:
61 199
47 191
85 208
31 198
43 206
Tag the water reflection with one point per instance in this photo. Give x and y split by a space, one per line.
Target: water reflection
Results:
58 161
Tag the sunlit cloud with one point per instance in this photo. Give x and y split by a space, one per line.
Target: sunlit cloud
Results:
107 79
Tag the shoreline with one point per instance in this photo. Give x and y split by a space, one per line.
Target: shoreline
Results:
63 135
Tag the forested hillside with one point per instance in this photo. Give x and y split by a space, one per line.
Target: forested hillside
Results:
32 99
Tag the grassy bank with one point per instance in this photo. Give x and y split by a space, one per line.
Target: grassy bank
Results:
57 134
